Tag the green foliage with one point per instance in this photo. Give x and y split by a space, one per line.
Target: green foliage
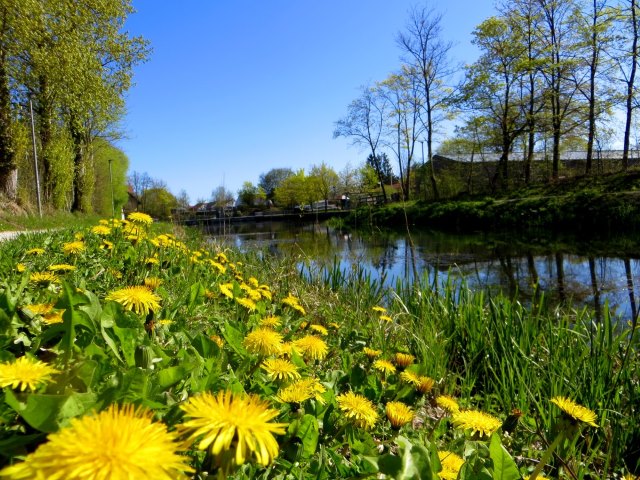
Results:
158 202
111 165
490 353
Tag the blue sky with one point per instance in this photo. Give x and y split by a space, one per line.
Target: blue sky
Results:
234 88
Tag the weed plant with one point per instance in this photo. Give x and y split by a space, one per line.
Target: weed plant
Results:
242 366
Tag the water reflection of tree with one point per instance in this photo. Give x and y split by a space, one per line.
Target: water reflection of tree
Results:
513 268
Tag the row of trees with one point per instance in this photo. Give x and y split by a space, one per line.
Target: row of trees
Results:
70 61
549 71
286 188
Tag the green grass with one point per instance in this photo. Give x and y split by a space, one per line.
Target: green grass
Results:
490 353
50 219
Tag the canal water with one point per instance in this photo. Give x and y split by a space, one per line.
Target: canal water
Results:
576 272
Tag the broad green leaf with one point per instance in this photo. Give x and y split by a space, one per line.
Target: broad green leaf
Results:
234 338
504 467
128 341
196 295
170 376
47 413
308 432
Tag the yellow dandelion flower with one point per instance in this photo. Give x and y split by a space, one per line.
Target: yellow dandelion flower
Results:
139 299
319 328
120 443
222 257
101 230
410 377
451 465
398 414
263 341
371 353
315 387
448 403
294 393
218 266
379 309
78 236
575 411
302 390
334 325
358 409
140 218
43 278
226 289
106 245
217 340
35 251
385 318
152 261
246 303
312 347
476 421
39 308
72 248
53 317
152 283
425 384
234 428
288 348
270 321
25 372
21 267
384 366
403 360
266 293
254 295
253 281
61 267
294 303
280 369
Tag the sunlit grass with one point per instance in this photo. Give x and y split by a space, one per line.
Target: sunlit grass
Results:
359 379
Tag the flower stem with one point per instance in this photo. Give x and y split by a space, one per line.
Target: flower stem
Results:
547 455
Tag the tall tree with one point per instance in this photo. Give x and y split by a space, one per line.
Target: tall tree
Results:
402 127
559 42
74 59
629 17
324 182
13 16
272 179
427 53
364 124
526 16
493 85
596 22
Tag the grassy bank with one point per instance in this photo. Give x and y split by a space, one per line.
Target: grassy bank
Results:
249 369
607 203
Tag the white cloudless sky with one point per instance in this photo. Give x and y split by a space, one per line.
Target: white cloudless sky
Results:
234 88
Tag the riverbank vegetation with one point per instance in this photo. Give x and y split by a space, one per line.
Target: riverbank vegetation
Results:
237 364
610 203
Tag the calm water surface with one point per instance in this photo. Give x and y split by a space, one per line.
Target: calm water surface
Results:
576 271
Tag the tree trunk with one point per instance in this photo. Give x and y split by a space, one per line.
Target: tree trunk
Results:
45 114
630 87
592 91
8 166
82 175
432 170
